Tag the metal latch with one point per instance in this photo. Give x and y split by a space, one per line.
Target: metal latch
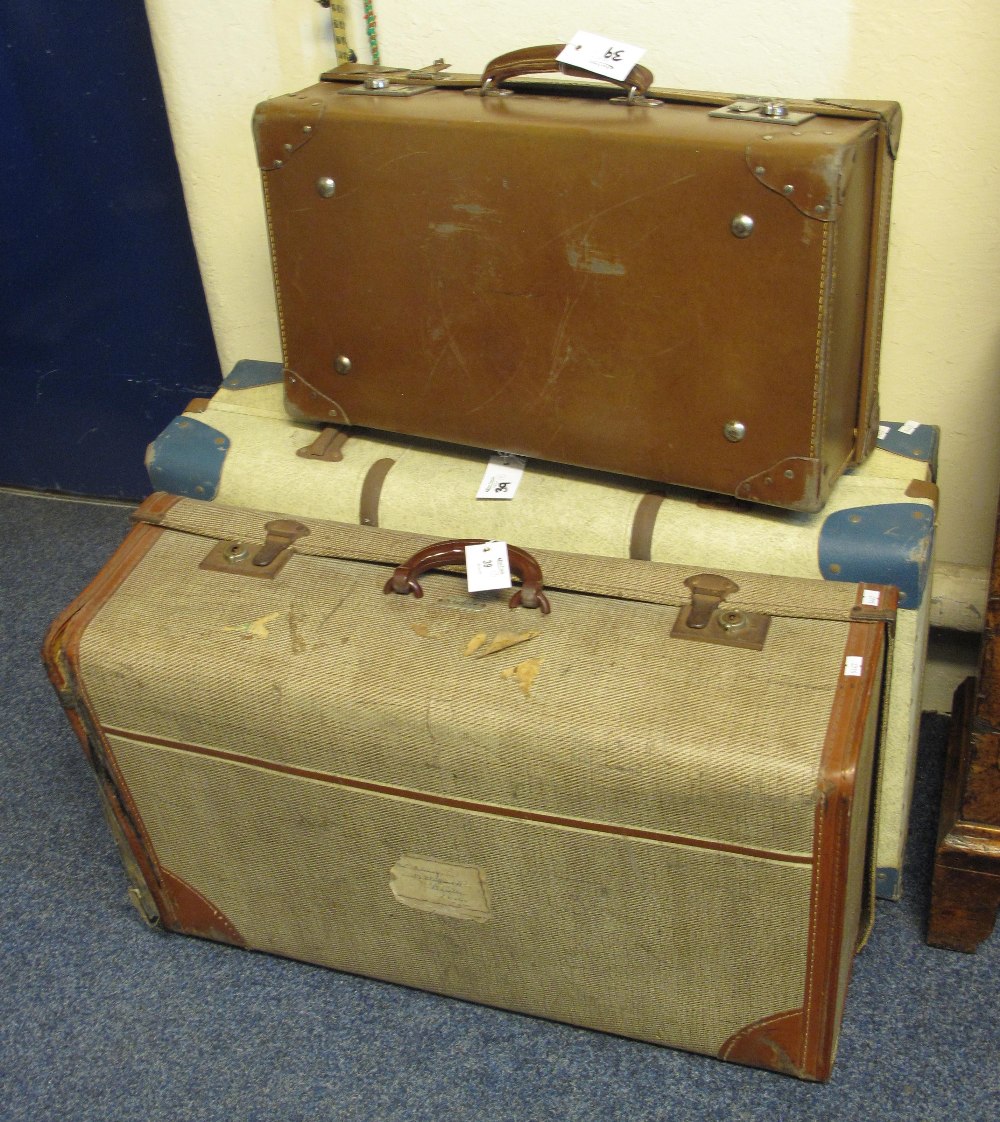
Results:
705 620
327 446
250 560
763 110
381 85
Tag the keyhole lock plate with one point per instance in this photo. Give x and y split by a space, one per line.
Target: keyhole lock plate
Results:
257 559
707 620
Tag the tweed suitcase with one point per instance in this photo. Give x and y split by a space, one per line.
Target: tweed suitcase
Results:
241 449
685 287
641 807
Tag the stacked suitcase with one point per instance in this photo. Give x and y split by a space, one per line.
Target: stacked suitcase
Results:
646 792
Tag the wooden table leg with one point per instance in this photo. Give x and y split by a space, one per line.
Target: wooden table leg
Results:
965 892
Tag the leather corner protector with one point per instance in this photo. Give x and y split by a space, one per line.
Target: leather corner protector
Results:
774 1043
283 125
187 458
814 191
915 442
888 113
889 543
303 402
192 914
793 483
249 373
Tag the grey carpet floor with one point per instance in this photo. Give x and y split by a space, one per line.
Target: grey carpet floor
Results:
101 1018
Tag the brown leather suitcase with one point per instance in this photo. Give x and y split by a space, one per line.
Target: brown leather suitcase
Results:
641 807
680 287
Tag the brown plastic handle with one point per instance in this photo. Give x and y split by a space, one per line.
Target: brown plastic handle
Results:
544 60
522 564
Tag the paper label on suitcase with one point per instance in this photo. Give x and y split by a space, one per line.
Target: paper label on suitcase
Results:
441 887
487 566
601 56
503 474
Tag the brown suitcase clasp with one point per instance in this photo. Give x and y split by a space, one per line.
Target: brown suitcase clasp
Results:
265 560
705 620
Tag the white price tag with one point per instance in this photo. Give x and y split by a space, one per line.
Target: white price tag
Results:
503 474
883 431
909 428
487 566
871 598
853 665
601 56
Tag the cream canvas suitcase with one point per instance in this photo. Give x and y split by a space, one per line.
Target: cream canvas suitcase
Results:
641 806
240 448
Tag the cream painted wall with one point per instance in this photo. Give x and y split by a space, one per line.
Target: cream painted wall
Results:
941 339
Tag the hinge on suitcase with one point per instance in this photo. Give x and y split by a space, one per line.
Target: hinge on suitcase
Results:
327 446
762 110
705 620
257 560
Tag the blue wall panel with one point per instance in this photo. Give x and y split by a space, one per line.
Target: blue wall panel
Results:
104 332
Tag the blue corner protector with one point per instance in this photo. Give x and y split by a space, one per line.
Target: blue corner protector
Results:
885 544
248 372
887 884
186 459
920 444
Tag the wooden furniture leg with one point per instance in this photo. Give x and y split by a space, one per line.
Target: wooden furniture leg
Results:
965 892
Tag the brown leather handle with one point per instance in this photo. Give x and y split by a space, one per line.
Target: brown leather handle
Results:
544 60
522 564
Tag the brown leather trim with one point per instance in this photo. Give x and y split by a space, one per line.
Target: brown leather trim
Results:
153 509
795 483
88 602
885 609
772 1043
878 254
371 491
61 652
835 794
193 914
643 524
495 809
923 489
802 1042
198 405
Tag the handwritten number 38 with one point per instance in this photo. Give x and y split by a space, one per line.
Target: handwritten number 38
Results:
615 55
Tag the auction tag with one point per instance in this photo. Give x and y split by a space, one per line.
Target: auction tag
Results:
503 474
601 56
909 428
853 666
487 566
883 431
871 598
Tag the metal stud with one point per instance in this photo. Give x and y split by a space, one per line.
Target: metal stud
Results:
342 364
742 226
326 188
734 431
